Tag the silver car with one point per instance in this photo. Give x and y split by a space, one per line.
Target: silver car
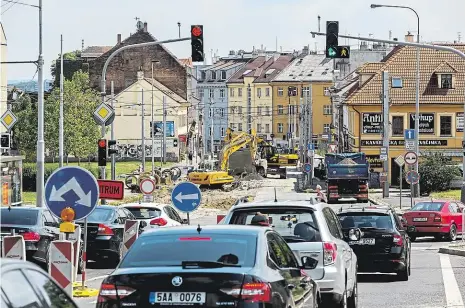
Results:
311 229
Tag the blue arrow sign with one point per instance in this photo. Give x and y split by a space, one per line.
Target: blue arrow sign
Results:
409 134
310 146
73 187
186 197
307 168
412 177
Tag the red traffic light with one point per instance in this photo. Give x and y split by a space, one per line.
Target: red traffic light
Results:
196 31
102 143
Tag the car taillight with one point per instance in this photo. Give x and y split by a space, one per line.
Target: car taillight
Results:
437 218
111 291
254 292
329 253
158 222
398 240
31 236
104 230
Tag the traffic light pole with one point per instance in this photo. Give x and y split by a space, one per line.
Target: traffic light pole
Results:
102 168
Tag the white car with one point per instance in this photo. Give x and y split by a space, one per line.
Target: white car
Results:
156 215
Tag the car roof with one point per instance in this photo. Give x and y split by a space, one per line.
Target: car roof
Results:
279 203
366 209
209 229
435 201
23 208
108 207
154 205
6 263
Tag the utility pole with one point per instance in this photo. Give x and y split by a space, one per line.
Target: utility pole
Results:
211 129
289 128
152 132
249 109
60 123
164 129
143 131
40 120
310 128
386 129
112 133
102 168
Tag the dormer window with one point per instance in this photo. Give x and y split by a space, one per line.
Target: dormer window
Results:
446 81
213 75
445 74
223 75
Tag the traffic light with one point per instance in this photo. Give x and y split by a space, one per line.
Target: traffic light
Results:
102 152
111 149
332 38
5 141
197 43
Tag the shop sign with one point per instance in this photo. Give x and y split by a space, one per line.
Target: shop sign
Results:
375 161
372 123
425 143
459 122
426 123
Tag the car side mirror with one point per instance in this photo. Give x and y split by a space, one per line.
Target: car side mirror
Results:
355 234
308 263
185 221
143 224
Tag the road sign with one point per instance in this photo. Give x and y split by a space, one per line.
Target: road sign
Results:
384 151
410 158
147 186
60 266
310 146
410 145
400 160
186 197
308 168
9 119
103 113
14 247
111 190
383 157
311 153
73 187
409 134
5 141
412 177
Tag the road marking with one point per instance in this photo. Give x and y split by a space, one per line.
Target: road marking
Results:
453 296
94 278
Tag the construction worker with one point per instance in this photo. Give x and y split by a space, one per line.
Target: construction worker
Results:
321 195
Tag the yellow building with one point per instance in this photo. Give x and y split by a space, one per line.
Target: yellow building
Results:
308 73
442 82
250 94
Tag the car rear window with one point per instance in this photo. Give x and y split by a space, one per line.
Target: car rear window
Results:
428 206
100 215
19 217
293 224
157 250
144 212
366 220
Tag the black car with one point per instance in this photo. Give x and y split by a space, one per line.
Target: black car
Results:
384 245
37 226
26 285
105 229
211 266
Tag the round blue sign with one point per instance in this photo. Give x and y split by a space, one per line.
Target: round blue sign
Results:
73 187
186 197
412 177
307 168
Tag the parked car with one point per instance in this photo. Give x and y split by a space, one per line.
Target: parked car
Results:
156 215
210 266
384 246
312 230
29 286
438 218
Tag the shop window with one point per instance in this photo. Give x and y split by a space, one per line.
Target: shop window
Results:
445 125
397 125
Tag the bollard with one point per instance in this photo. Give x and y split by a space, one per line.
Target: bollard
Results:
61 266
131 233
14 247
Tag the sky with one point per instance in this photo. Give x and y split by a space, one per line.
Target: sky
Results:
228 25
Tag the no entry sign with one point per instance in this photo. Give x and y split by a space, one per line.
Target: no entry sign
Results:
113 190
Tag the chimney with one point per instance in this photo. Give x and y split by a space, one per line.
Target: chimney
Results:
145 27
409 37
140 74
118 38
305 51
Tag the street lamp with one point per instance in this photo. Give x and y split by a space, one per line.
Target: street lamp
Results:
416 190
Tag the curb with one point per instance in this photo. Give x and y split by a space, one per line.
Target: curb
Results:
377 201
452 251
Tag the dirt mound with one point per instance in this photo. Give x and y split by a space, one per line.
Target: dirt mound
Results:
252 177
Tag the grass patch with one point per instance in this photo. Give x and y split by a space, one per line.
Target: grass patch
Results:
29 197
448 194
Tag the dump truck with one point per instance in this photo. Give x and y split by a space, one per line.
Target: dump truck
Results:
347 176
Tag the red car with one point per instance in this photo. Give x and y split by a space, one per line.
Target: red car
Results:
438 218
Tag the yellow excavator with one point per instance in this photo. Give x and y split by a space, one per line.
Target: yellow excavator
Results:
221 178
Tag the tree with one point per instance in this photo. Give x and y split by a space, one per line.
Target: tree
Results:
436 173
72 63
25 130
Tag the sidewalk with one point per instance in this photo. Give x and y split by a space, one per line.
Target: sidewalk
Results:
456 249
395 200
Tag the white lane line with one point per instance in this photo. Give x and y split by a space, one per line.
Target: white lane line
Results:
94 278
453 296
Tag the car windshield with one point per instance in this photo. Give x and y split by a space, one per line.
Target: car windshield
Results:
22 217
100 215
294 224
366 220
428 206
157 250
144 212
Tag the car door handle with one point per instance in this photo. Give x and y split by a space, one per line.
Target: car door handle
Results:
291 286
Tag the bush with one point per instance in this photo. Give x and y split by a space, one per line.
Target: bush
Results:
436 173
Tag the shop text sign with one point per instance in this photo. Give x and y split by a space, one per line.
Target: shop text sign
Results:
425 143
459 122
426 122
374 161
372 123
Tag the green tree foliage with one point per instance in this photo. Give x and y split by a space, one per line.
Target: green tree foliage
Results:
25 130
72 63
436 173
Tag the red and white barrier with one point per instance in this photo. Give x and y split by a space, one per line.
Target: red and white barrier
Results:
61 266
76 239
219 218
14 247
131 233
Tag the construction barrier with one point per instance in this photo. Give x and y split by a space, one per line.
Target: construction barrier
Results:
219 218
14 247
131 233
75 238
61 266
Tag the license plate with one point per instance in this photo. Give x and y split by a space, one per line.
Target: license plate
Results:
421 219
364 241
177 297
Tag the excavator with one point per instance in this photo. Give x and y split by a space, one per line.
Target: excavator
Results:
221 178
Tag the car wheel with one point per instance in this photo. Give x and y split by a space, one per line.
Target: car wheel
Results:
344 302
452 236
353 299
403 274
81 260
409 264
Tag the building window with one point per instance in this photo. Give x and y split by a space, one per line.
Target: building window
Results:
396 82
259 110
326 91
213 75
280 128
259 128
203 75
327 109
201 93
259 92
446 81
239 92
249 92
210 112
239 127
232 110
267 92
211 130
280 92
239 109
326 128
222 112
232 125
212 93
445 125
397 125
267 128
231 92
222 132
223 75
305 91
267 110
280 109
221 93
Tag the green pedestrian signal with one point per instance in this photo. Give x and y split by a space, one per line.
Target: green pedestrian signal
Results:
332 52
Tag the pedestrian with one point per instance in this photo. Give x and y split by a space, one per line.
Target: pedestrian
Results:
321 195
190 157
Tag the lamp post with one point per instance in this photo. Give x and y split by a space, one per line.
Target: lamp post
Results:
416 190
